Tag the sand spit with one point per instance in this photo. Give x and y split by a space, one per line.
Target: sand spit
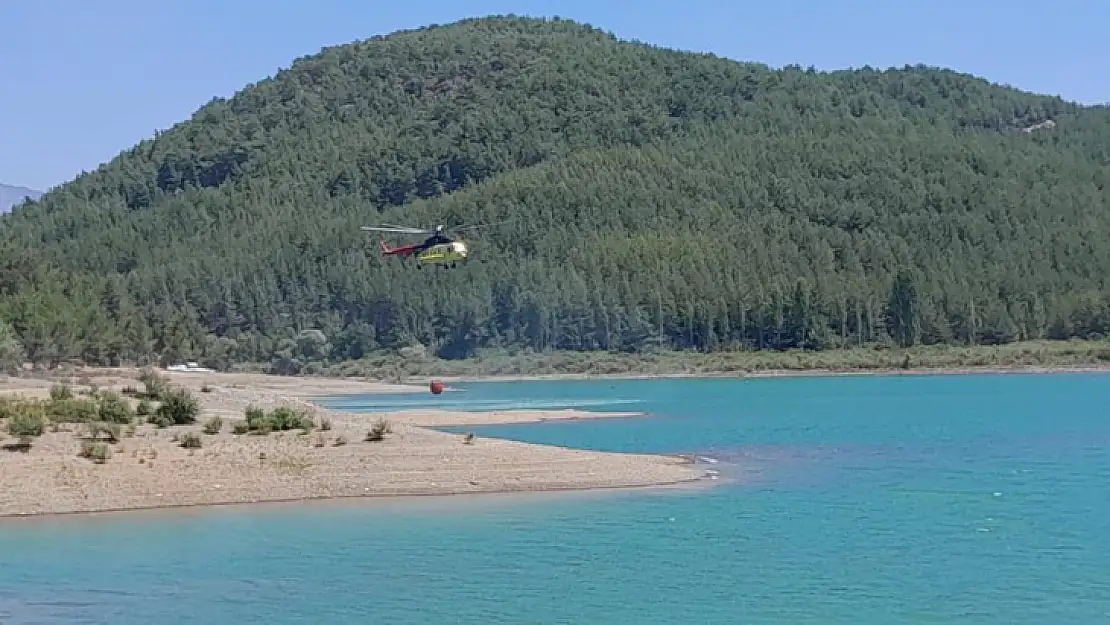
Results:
452 418
150 469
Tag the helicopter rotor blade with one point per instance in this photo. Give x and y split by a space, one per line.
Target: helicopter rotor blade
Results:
476 226
398 229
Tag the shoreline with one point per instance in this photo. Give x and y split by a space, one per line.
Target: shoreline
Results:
874 359
773 374
149 469
687 484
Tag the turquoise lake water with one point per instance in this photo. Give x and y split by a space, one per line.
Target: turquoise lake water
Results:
873 500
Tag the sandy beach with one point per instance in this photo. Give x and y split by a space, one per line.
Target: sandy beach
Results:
149 468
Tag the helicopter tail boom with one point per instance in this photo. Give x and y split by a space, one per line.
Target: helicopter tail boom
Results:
404 250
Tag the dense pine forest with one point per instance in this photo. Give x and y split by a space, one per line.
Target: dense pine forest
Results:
646 199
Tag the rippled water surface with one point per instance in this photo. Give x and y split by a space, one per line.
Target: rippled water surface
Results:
972 499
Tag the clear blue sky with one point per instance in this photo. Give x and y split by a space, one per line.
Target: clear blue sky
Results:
81 80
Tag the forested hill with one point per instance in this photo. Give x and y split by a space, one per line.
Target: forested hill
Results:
650 198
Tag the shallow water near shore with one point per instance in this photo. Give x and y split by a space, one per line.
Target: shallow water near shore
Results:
903 499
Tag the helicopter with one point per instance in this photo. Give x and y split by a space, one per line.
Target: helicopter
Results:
438 249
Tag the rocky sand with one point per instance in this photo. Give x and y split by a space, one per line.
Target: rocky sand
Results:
150 469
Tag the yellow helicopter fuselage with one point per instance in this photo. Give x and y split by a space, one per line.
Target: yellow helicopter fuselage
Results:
443 254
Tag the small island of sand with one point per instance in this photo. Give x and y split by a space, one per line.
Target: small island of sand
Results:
96 449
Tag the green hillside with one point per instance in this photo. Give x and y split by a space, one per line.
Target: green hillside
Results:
651 198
